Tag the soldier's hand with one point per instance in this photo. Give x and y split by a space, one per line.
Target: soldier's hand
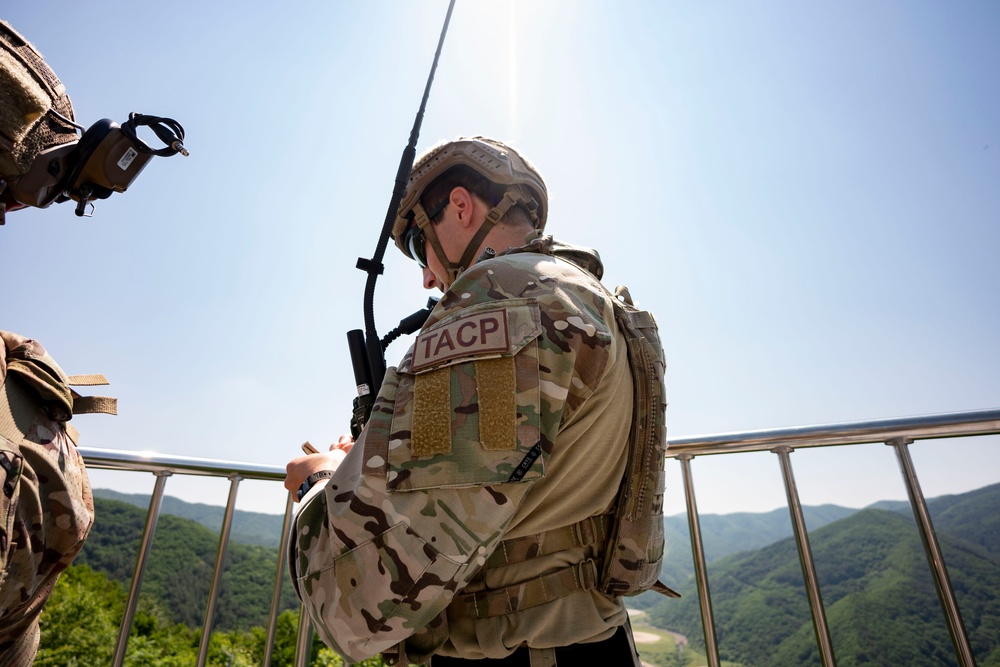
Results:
344 443
301 467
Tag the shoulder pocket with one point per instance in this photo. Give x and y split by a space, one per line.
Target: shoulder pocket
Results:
11 464
472 416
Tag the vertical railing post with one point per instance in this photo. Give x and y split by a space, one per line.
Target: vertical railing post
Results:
220 561
272 623
701 572
152 515
304 637
942 582
806 558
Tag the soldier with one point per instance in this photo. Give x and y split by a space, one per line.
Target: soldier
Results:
46 506
38 132
472 519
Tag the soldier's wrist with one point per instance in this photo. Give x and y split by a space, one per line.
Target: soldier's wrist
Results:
311 481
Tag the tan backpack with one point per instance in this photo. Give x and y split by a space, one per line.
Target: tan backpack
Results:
634 552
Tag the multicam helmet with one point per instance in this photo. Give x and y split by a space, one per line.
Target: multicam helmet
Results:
36 121
495 160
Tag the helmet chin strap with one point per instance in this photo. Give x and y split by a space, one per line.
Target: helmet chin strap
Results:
512 197
427 227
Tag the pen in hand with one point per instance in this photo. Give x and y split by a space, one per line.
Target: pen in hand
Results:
300 469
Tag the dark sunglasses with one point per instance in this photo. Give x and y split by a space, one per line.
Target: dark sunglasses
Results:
414 240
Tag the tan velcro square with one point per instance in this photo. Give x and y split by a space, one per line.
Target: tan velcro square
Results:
495 384
432 413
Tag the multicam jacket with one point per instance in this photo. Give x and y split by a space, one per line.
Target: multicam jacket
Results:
508 417
46 507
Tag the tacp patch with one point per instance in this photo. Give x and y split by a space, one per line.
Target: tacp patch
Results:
468 406
472 335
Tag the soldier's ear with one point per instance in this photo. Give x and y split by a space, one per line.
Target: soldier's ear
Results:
464 204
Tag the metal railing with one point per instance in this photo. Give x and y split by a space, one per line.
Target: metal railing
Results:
898 433
163 466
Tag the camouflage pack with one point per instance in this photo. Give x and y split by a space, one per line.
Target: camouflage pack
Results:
634 553
46 506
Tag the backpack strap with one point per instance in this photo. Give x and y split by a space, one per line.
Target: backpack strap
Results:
530 593
31 364
591 531
85 405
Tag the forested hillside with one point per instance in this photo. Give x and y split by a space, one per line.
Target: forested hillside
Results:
724 534
972 516
879 596
248 527
80 624
181 563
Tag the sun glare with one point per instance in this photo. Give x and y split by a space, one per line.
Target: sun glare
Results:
512 70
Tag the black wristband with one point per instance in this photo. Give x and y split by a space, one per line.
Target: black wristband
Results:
311 481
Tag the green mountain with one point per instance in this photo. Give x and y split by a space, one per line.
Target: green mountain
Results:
180 567
721 534
971 515
725 534
248 527
878 593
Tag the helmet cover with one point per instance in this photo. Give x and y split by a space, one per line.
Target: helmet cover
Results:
494 160
36 114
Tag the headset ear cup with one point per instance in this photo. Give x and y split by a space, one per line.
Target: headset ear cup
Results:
91 139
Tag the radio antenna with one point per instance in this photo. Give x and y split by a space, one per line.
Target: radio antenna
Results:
374 267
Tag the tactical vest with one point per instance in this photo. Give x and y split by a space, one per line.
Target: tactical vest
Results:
632 532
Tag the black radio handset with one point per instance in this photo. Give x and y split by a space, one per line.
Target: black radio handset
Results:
362 371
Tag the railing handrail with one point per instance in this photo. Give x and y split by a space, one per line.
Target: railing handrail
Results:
942 425
146 461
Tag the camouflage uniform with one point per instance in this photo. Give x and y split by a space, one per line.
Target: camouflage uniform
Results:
508 417
46 508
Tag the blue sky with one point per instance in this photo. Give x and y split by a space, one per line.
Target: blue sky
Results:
806 195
